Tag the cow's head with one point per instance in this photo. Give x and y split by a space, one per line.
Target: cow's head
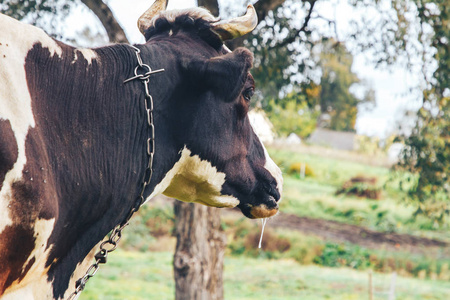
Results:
219 161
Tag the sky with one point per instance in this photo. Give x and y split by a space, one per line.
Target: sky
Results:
391 86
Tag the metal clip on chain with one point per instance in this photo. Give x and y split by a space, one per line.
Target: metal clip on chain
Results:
116 234
142 67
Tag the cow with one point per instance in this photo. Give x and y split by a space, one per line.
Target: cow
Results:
74 134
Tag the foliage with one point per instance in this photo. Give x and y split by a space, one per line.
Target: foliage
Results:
427 157
278 63
427 151
292 115
336 101
289 58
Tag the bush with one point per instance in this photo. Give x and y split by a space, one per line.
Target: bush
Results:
361 186
270 242
288 116
338 255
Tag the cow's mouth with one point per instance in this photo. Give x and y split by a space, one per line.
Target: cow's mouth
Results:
268 208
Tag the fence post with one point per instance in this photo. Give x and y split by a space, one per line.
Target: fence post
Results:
392 287
370 286
302 170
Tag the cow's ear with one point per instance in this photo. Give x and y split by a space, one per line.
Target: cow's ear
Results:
224 75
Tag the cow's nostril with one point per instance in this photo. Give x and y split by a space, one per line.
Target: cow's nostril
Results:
273 192
272 203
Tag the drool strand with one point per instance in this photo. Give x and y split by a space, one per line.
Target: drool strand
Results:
263 221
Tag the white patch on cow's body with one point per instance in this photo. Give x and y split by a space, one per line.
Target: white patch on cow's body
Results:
195 180
35 285
42 231
16 40
29 293
87 54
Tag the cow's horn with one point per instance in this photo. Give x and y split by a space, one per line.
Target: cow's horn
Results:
237 27
144 21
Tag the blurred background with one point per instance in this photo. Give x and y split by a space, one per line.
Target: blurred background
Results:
353 103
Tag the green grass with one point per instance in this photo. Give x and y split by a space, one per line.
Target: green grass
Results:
327 170
314 196
137 275
133 275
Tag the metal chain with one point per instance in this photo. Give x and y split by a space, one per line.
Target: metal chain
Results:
143 73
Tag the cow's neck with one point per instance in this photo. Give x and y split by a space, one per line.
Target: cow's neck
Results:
95 128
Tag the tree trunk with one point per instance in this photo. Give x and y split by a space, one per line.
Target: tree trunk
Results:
199 254
109 22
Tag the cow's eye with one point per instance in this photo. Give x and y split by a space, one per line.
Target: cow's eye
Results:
248 93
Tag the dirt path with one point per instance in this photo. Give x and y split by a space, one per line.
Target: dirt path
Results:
340 232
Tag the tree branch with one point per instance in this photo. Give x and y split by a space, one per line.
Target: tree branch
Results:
104 14
296 33
329 23
264 6
211 5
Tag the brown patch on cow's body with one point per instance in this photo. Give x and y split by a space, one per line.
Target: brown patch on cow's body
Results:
31 200
24 207
8 151
16 244
18 240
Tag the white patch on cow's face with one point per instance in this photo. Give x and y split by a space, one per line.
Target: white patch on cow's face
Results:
272 167
195 180
87 54
16 39
35 285
274 170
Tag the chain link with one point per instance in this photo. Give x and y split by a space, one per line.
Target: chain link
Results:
110 244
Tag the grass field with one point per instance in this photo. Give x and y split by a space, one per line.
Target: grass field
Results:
137 275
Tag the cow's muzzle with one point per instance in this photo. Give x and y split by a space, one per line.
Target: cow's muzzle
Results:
265 207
